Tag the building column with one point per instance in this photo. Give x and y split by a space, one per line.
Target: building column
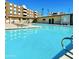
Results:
9 20
5 21
21 20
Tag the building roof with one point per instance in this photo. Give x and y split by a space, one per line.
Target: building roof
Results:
54 15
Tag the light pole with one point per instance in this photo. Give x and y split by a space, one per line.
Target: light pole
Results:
42 13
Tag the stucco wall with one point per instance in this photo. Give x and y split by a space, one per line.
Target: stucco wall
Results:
40 20
65 19
56 20
10 20
16 20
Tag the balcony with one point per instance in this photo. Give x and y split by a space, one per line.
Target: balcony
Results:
24 13
24 10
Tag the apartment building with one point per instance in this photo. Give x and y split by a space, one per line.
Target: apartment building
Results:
18 13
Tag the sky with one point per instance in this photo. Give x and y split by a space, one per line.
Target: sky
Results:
47 5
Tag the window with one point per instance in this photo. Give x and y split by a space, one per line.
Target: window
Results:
5 7
19 13
10 4
18 9
18 6
10 8
10 12
28 15
44 19
14 5
24 18
14 9
14 12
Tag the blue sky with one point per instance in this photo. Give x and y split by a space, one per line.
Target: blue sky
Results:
51 5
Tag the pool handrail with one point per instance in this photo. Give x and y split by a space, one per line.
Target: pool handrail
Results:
67 38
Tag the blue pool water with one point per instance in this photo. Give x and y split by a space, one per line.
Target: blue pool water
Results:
36 43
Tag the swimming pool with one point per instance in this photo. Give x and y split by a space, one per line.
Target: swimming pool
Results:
36 43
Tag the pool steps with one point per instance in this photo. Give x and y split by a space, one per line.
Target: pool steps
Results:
69 54
66 52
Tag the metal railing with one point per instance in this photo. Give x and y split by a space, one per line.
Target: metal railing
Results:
64 47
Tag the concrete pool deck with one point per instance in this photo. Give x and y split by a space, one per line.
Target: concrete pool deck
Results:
13 26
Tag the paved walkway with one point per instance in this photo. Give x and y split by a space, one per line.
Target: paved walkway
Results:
14 26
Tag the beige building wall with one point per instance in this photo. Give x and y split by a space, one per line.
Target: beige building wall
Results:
7 10
41 20
46 19
58 19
